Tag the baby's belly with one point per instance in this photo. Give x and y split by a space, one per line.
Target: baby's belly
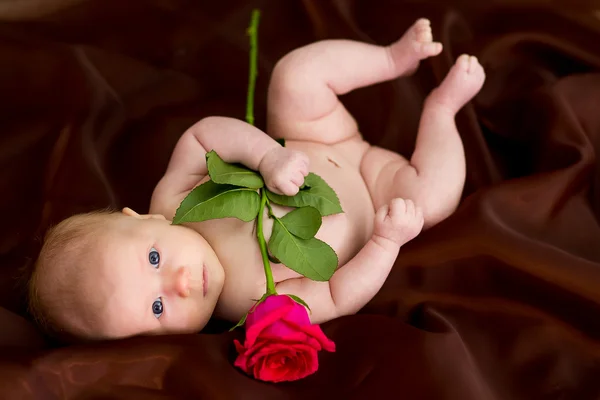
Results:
235 242
346 233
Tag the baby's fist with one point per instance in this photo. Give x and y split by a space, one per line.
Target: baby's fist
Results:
399 222
284 170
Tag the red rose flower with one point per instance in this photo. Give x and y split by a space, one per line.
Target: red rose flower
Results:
281 344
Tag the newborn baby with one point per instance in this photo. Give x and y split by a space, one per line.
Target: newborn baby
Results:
108 275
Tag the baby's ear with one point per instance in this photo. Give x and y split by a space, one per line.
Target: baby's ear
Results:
130 213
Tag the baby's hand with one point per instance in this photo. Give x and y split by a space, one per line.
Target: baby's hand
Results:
284 170
398 222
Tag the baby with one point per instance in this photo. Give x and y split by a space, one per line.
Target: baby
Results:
108 275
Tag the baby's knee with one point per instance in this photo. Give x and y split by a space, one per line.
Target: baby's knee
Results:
301 62
286 66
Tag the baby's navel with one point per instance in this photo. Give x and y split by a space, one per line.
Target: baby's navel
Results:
333 162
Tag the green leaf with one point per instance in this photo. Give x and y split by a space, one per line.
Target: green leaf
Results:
273 259
311 258
232 174
303 222
298 300
240 323
281 141
318 195
212 201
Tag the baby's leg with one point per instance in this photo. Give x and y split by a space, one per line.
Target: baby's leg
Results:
434 177
302 97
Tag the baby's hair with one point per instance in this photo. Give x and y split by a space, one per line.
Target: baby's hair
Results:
61 244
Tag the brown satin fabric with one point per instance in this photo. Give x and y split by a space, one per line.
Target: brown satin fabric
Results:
500 301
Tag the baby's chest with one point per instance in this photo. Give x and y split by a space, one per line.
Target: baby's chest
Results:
236 244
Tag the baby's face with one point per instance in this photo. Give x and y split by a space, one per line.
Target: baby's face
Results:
146 276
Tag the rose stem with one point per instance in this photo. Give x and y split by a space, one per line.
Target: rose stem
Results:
253 32
263 245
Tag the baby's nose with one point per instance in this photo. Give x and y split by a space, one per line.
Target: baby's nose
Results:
182 282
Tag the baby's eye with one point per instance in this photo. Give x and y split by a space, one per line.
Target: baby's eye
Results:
157 307
154 257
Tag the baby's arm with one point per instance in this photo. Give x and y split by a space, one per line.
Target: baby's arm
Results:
235 142
358 281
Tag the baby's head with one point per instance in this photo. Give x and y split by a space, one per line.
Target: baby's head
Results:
108 275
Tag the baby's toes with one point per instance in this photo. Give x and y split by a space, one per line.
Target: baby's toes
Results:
423 43
429 49
422 31
474 67
421 24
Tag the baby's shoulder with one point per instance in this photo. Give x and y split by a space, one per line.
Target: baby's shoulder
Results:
170 191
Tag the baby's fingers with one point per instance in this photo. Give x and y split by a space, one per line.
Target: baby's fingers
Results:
398 207
410 207
304 167
419 214
288 188
382 213
298 179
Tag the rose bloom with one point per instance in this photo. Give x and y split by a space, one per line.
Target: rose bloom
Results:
281 344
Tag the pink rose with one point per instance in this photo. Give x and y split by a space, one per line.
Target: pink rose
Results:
281 344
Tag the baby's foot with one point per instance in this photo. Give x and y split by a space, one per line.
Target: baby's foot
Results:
415 45
462 83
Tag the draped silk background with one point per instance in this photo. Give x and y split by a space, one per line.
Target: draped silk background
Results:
500 301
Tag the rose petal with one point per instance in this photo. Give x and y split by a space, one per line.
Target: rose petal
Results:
301 361
268 306
310 334
270 371
258 370
316 332
294 368
281 344
238 346
255 325
242 360
298 314
267 348
288 319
